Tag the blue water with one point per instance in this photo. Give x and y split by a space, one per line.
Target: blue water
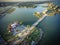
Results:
50 25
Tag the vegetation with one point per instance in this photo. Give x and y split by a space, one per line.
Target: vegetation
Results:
1 10
38 14
11 10
27 6
54 9
21 23
50 12
33 36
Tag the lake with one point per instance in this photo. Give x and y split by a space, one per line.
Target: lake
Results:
50 25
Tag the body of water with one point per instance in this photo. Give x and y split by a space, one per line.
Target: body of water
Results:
50 24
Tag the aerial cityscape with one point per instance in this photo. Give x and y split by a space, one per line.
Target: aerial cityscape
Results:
29 22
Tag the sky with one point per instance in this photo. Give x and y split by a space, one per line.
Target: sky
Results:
19 0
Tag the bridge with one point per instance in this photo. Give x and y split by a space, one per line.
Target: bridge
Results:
38 21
